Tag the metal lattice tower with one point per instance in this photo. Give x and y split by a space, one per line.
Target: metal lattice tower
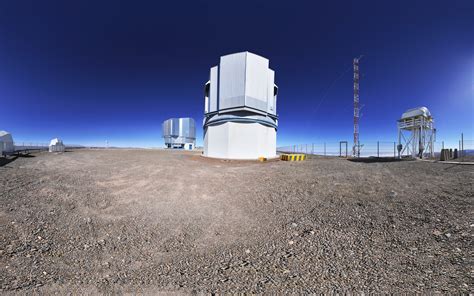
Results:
356 147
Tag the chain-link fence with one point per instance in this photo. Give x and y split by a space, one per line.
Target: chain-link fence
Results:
343 149
10 148
465 149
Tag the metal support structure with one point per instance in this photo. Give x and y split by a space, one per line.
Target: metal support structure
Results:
459 146
340 148
356 145
419 126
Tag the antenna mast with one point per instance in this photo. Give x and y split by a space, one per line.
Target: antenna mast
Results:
356 147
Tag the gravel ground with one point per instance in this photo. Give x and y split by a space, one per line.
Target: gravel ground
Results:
150 221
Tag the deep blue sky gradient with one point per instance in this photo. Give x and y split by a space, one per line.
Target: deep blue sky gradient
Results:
90 71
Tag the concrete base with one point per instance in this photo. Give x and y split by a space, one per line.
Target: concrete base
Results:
233 140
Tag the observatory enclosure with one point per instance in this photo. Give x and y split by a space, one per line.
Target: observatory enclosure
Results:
240 108
6 143
179 133
56 145
416 133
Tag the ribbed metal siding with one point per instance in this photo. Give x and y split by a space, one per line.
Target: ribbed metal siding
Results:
179 131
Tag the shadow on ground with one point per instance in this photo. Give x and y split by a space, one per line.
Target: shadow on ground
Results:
6 160
377 159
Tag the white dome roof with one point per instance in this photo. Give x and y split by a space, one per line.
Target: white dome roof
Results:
6 136
56 141
419 111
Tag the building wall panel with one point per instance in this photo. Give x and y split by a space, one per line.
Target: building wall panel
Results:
232 81
270 92
256 82
213 89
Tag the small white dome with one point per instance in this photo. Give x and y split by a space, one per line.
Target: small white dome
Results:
6 140
55 141
6 136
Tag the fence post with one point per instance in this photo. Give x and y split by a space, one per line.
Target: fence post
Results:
462 146
394 148
378 154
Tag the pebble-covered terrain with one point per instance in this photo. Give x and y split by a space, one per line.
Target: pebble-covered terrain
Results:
151 221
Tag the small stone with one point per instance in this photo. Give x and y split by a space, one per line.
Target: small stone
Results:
45 273
294 224
39 237
247 251
393 193
291 242
312 232
448 235
437 232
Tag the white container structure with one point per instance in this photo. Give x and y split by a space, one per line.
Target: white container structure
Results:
6 143
56 145
416 133
240 108
179 133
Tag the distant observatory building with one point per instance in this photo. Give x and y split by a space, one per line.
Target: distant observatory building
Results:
179 133
416 133
56 145
240 108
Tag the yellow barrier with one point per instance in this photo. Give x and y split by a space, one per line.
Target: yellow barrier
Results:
293 157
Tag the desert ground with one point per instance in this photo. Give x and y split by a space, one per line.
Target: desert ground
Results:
153 221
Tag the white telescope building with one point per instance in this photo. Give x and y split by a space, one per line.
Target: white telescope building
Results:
240 108
179 133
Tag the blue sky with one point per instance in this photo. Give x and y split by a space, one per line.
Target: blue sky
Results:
90 71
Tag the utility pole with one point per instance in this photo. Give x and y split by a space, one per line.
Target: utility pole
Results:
356 147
